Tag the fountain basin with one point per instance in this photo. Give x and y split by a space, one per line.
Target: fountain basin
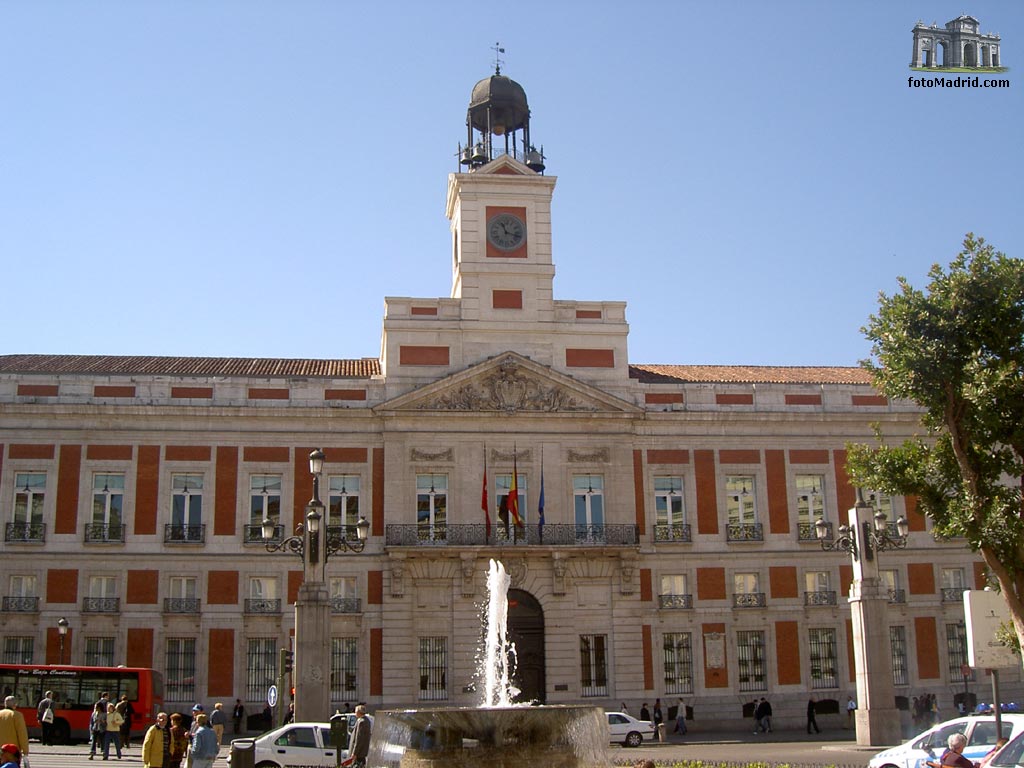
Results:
497 737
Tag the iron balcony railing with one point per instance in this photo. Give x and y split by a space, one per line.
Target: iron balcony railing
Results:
101 533
101 605
953 594
748 600
744 532
181 605
31 533
475 534
21 605
184 534
897 596
675 601
673 532
346 605
820 597
261 605
808 531
254 534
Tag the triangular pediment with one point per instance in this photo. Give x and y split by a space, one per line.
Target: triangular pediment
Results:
509 383
504 164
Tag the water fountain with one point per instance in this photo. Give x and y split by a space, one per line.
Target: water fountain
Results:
499 733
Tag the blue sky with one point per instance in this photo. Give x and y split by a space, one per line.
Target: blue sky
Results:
252 178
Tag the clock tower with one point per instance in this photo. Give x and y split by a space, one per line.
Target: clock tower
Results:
502 298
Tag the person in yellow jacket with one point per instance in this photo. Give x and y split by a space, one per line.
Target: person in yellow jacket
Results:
157 744
12 725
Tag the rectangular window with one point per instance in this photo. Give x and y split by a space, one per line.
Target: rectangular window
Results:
502 486
890 582
260 667
952 581
817 581
956 653
99 651
823 658
432 507
262 596
433 663
18 650
588 507
898 650
29 495
740 500
343 503
183 587
264 504
669 510
882 503
750 657
344 669
107 506
344 595
594 665
678 663
180 670
810 504
746 583
186 508
102 595
23 586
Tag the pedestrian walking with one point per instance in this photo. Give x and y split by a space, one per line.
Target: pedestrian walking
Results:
128 713
203 748
360 738
44 714
681 717
12 726
218 719
811 721
659 721
97 727
156 745
113 733
237 715
851 707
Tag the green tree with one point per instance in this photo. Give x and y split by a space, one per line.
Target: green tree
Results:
957 350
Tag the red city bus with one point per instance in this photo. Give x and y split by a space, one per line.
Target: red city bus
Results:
76 690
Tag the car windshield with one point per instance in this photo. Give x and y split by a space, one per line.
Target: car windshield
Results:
1010 755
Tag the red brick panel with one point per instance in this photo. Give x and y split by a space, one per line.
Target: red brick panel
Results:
377 492
67 489
506 299
740 457
108 452
294 582
376 661
106 390
638 489
715 678
20 451
734 399
798 456
222 588
38 390
778 498
845 579
782 579
62 585
588 314
845 494
921 578
143 588
656 456
915 519
427 311
646 586
409 354
869 400
53 645
147 480
139 652
345 394
590 358
268 393
187 453
927 647
375 587
663 398
711 583
194 393
345 455
648 656
226 491
265 454
980 575
787 652
220 670
496 253
803 399
707 493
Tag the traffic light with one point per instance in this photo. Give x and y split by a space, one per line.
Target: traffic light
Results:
287 661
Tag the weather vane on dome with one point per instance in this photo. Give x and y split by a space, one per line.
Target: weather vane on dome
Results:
497 58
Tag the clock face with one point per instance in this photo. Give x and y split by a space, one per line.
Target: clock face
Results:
506 232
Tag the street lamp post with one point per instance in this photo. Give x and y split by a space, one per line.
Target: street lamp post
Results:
878 720
62 631
314 545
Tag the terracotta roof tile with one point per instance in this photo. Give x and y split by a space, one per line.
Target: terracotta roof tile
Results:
258 367
748 374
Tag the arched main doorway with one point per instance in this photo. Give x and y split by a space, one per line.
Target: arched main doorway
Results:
526 630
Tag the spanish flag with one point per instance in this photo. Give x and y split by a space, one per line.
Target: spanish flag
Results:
513 493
